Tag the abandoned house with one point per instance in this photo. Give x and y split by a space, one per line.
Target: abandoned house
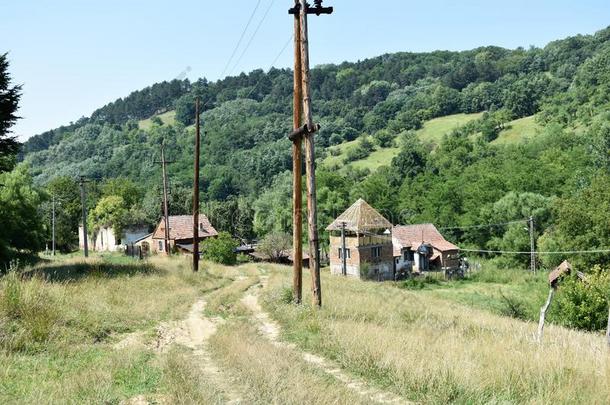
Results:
106 240
368 243
180 233
419 248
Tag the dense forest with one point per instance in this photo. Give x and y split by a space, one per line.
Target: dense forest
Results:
466 178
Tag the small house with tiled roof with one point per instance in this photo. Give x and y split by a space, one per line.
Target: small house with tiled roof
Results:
421 247
368 243
181 233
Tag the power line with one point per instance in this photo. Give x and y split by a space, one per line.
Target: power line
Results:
260 23
484 225
272 64
243 33
514 252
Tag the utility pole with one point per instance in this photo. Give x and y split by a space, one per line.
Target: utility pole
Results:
53 227
307 132
532 246
343 250
297 162
83 199
164 163
196 191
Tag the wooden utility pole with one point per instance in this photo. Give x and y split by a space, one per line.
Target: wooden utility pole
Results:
543 310
164 163
297 194
83 199
343 251
532 246
196 191
307 132
53 227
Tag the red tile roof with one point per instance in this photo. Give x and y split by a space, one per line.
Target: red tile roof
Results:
181 227
413 235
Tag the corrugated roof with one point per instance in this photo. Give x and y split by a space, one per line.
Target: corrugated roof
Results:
360 217
414 235
181 227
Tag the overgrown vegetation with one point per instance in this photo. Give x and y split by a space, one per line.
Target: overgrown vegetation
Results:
435 350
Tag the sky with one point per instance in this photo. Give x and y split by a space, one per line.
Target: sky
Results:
74 56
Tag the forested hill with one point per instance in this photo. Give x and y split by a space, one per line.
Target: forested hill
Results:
456 138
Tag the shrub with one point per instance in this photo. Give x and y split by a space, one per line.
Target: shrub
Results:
365 269
584 304
220 249
513 307
419 283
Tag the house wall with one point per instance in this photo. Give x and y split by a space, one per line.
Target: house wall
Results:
381 268
401 263
104 239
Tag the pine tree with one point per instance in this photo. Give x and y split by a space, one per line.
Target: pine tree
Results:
9 101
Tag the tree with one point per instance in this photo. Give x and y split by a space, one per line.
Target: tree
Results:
66 193
21 224
9 102
109 211
275 245
220 249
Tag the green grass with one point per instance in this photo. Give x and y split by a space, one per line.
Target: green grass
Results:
434 130
168 118
519 130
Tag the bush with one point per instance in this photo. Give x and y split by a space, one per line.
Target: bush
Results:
365 269
584 304
221 249
419 283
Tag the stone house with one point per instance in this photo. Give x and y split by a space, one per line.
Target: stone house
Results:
181 233
421 247
368 243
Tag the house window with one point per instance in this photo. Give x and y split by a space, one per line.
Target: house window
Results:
376 251
160 246
201 228
347 254
408 255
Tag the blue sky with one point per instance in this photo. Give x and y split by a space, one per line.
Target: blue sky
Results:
73 56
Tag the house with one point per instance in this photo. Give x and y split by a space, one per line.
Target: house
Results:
106 240
419 248
368 243
181 233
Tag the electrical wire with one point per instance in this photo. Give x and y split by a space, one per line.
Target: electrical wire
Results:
260 23
485 225
243 33
514 252
271 66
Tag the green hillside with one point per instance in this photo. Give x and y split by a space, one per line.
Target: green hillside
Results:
167 118
470 108
519 130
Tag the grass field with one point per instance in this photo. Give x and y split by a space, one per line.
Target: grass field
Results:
168 118
113 329
519 130
431 132
434 130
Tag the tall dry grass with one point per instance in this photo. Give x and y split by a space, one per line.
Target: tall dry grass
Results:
269 374
59 323
436 351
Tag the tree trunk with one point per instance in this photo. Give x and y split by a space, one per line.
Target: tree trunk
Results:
543 310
